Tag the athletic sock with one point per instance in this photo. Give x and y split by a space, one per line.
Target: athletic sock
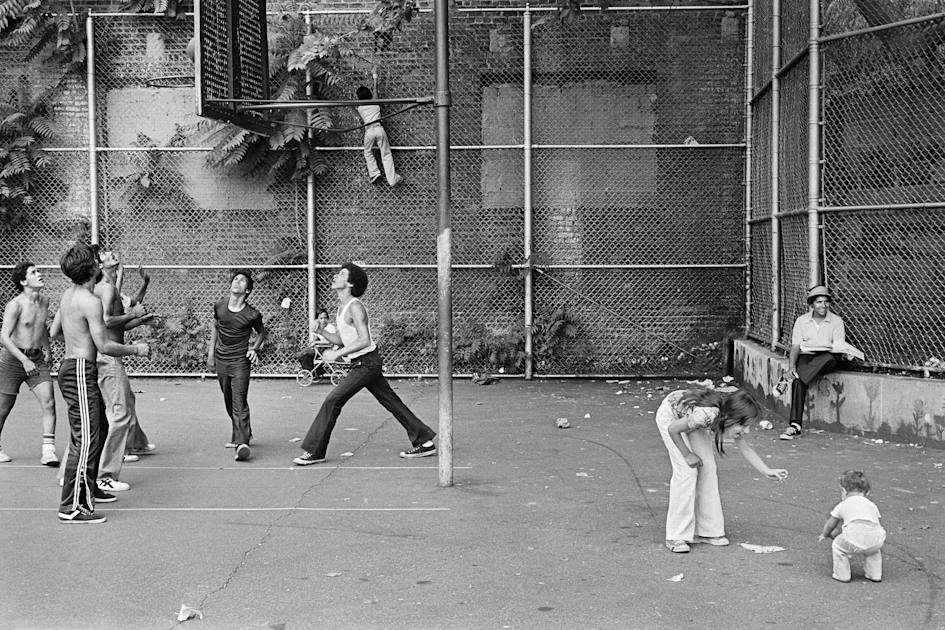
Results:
49 440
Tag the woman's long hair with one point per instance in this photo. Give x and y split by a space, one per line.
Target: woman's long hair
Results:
735 408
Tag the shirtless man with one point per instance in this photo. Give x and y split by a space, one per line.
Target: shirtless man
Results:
25 355
117 395
81 321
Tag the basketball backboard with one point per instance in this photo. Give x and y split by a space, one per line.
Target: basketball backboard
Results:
232 61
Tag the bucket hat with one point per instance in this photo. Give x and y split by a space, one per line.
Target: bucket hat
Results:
818 291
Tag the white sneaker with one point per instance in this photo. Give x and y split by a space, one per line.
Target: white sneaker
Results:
112 485
131 457
49 457
4 458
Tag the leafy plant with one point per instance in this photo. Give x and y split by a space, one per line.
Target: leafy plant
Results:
150 182
51 29
170 8
179 340
23 127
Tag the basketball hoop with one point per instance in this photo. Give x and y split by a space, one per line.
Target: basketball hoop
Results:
173 81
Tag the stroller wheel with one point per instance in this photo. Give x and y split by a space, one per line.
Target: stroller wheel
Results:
304 378
336 376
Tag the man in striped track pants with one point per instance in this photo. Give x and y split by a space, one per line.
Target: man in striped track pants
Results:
81 322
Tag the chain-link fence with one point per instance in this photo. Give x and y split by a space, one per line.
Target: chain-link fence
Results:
880 204
632 210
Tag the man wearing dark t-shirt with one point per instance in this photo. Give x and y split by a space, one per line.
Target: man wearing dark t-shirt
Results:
230 355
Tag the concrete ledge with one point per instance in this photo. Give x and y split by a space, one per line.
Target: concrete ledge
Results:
899 408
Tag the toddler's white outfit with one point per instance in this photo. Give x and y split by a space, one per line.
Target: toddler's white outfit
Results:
862 534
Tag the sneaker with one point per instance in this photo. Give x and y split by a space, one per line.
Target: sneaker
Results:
80 516
49 458
4 458
791 432
242 453
715 541
375 178
307 459
130 457
398 178
229 445
419 451
103 497
109 484
677 546
145 450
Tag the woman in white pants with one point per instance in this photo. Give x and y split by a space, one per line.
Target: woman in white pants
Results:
693 424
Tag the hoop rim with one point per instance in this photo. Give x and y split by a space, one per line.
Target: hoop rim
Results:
172 81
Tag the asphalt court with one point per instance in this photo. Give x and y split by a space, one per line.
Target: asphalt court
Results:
544 527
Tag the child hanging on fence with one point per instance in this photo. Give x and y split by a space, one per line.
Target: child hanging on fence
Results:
692 424
854 526
374 134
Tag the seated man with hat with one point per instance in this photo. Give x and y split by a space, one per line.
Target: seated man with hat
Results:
817 344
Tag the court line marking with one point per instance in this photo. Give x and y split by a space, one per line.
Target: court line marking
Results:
247 468
271 509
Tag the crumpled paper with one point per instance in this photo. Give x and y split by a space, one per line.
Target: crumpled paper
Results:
761 548
676 578
186 613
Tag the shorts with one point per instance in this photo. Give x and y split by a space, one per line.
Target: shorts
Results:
12 373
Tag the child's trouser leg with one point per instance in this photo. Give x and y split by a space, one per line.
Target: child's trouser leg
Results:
710 521
369 137
841 559
873 565
387 157
681 513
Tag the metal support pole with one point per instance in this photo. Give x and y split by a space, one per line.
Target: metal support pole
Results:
527 183
814 191
93 128
310 216
444 243
775 173
749 90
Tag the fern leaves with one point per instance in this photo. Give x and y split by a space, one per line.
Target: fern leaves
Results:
23 127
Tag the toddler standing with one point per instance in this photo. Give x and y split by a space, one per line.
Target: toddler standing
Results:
854 526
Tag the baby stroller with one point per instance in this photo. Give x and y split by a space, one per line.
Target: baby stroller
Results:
315 368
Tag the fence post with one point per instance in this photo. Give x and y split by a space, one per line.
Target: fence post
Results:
814 148
93 129
527 184
310 214
775 173
444 244
749 89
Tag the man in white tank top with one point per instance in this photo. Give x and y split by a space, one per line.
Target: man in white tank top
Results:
355 342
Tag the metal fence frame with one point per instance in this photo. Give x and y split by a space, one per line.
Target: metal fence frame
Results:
98 150
792 261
